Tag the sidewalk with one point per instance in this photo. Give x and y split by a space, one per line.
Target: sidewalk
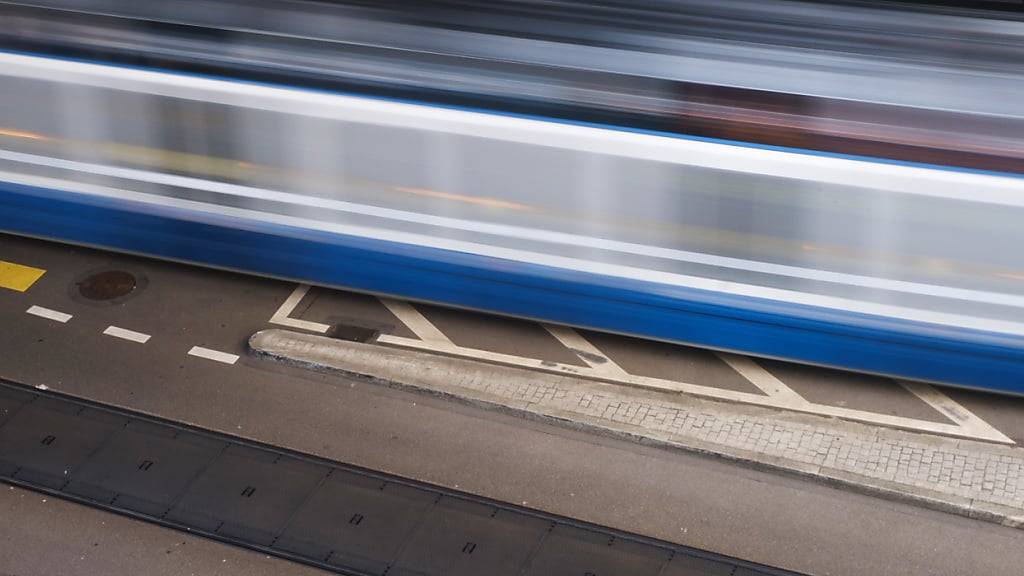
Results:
971 478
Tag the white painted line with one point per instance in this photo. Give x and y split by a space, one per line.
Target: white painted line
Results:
559 368
778 394
417 322
283 315
48 314
126 334
586 351
954 411
214 355
992 435
764 380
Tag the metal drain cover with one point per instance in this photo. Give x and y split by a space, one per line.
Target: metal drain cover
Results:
352 333
107 285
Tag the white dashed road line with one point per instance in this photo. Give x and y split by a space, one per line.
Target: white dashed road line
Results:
214 355
48 314
126 334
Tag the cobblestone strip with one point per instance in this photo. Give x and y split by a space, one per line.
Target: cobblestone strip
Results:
971 478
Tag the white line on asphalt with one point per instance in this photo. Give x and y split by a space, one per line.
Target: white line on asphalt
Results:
764 380
49 314
586 351
214 355
416 321
777 393
126 334
283 315
452 349
780 396
954 410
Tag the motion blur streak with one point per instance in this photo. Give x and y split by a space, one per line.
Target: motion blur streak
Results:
918 83
892 267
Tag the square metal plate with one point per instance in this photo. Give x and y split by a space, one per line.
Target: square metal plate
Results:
49 445
569 550
247 495
462 538
145 472
684 565
356 522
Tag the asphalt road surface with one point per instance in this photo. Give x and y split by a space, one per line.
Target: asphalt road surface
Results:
684 498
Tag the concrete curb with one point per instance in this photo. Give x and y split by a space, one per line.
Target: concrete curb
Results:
535 395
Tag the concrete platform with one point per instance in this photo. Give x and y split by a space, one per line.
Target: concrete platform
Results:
975 479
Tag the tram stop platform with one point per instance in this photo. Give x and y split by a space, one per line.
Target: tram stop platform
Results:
979 478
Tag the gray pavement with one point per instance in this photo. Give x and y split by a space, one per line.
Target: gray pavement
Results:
975 479
685 498
44 536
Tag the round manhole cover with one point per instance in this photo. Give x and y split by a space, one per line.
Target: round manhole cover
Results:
107 285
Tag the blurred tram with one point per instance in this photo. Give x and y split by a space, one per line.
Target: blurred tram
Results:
833 183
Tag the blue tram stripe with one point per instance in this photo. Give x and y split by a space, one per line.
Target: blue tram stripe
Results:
853 341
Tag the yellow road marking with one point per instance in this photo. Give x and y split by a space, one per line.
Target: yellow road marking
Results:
18 277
